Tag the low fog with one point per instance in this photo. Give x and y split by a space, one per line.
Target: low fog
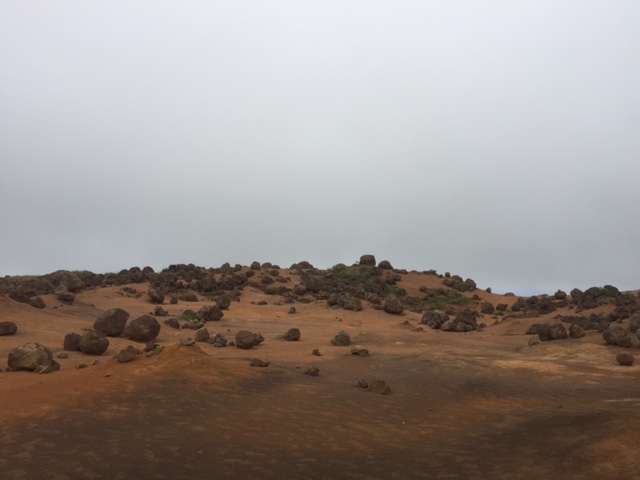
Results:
495 140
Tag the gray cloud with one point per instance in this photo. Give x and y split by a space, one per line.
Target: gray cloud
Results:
496 140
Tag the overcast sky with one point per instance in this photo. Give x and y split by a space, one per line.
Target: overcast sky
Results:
498 140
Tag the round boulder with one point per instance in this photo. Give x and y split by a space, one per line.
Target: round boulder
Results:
246 339
29 357
292 335
616 336
71 341
392 304
155 294
93 342
142 329
342 339
368 260
625 359
385 265
112 322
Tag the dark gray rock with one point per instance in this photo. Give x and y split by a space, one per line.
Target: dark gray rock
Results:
393 304
625 359
128 354
71 341
385 265
112 322
223 302
29 357
246 339
342 339
172 322
616 336
379 386
313 371
292 335
8 328
156 294
217 340
36 301
434 319
361 351
210 314
93 342
256 362
576 331
202 335
142 329
557 332
487 308
368 260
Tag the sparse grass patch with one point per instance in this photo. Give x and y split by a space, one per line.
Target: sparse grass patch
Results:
450 297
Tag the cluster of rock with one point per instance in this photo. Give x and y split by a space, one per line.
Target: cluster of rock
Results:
619 337
556 331
465 320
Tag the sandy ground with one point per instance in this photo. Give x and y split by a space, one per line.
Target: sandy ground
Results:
473 405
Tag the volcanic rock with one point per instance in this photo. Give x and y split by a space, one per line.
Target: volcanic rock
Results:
8 328
142 329
342 339
29 357
112 322
93 342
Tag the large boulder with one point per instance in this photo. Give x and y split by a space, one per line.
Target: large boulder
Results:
112 322
223 302
368 260
434 319
156 294
616 336
29 357
36 301
557 332
393 304
64 278
246 339
71 342
385 265
209 314
142 329
93 342
64 295
8 328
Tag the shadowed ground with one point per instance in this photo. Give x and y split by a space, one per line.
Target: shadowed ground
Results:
186 415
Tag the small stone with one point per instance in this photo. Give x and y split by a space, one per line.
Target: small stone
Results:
81 365
534 341
625 359
63 355
96 362
256 362
292 310
43 369
313 371
128 354
292 335
316 352
362 383
187 342
380 386
358 350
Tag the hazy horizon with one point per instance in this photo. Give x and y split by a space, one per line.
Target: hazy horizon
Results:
495 140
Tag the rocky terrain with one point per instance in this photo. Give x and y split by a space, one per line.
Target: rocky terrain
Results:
358 371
